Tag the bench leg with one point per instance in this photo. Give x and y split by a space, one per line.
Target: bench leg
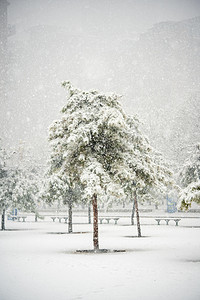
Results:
176 223
167 222
158 222
116 222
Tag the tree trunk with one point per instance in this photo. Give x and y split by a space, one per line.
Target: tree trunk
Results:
70 217
36 217
3 217
95 223
137 214
133 213
89 214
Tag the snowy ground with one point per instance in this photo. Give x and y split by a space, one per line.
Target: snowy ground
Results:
38 262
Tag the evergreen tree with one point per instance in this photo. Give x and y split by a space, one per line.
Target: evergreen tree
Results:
58 188
100 149
18 188
190 194
7 185
147 167
189 177
191 169
87 146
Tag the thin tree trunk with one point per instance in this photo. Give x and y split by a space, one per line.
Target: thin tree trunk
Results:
36 217
70 217
133 213
89 214
3 216
95 223
137 214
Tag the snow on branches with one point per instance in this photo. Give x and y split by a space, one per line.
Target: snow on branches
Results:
189 178
190 194
191 169
98 147
18 184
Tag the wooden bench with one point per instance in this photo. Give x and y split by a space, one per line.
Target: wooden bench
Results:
167 220
108 220
60 219
65 218
23 218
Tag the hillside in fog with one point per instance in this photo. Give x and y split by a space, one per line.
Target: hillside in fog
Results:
157 72
163 79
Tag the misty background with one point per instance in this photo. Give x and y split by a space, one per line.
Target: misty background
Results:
147 51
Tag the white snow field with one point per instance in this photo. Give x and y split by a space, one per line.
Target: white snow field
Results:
39 261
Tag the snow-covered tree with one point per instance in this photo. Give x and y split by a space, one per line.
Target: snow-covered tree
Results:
58 188
100 149
190 194
30 176
149 171
189 178
7 184
191 169
87 146
18 188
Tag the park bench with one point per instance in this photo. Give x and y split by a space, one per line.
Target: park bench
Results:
108 220
23 218
60 219
167 220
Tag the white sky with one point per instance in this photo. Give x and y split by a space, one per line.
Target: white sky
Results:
105 17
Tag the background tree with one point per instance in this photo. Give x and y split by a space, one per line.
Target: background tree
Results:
18 186
7 185
191 169
147 167
189 178
59 188
190 194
